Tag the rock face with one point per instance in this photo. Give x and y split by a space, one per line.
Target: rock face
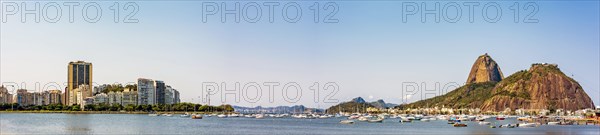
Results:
359 100
543 86
485 69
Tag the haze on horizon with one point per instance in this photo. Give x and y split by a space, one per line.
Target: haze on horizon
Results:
369 53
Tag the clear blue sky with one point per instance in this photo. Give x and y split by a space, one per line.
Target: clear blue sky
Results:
369 53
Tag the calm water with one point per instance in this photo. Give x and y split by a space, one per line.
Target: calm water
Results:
143 124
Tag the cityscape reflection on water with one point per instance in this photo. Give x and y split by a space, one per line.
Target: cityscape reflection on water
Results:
23 123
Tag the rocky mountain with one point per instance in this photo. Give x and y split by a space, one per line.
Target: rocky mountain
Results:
382 105
359 100
358 104
471 95
543 86
485 69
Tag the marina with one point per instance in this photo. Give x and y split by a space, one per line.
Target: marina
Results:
272 123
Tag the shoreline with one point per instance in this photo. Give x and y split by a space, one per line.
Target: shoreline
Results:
90 112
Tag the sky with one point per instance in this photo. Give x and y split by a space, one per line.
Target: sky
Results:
368 52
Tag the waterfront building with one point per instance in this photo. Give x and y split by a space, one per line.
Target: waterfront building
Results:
176 98
169 95
130 97
115 98
160 92
5 96
79 74
54 97
79 94
24 98
146 92
101 98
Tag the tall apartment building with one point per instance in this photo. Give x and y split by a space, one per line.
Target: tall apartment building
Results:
54 97
160 92
169 95
176 98
79 95
24 98
79 73
5 96
146 92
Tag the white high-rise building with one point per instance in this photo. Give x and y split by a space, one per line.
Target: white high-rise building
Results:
146 92
169 95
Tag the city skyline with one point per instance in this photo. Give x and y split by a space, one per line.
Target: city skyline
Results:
369 53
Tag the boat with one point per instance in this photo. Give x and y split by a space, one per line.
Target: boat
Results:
347 122
378 120
260 116
222 116
197 116
554 123
169 115
507 126
404 120
353 117
424 120
185 115
500 118
363 119
484 123
459 125
153 114
480 119
525 125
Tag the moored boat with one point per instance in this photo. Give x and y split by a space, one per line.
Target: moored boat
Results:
459 125
347 122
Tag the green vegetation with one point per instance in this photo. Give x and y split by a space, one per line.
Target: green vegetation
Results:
117 107
468 96
350 107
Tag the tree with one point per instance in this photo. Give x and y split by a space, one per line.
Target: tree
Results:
75 108
227 108
130 107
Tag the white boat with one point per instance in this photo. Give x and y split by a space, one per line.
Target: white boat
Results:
347 122
425 120
554 123
260 116
363 119
169 115
153 114
185 115
222 116
484 123
404 120
524 125
378 120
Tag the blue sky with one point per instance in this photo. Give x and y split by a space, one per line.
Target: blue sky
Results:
370 52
